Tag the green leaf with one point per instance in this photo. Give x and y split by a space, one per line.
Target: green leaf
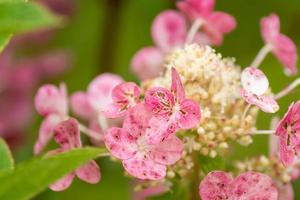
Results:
6 159
20 16
208 164
30 178
4 39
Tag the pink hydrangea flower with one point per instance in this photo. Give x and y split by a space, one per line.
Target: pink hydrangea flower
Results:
282 46
249 185
124 96
139 156
168 31
50 102
255 85
215 23
288 131
67 135
172 105
91 105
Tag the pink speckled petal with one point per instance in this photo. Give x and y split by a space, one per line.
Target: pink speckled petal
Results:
221 22
286 154
286 52
254 81
176 86
253 185
46 132
67 134
137 120
125 96
270 28
169 30
196 8
190 114
266 103
100 89
51 100
160 101
167 152
81 106
147 63
89 172
120 143
62 183
144 168
215 186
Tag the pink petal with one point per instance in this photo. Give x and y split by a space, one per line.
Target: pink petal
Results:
215 186
221 22
266 103
169 30
176 87
286 154
62 183
160 101
67 134
125 96
149 192
144 168
51 100
89 172
270 27
286 52
254 81
120 143
253 185
137 120
147 63
100 89
81 105
285 191
273 145
196 8
46 132
167 152
190 114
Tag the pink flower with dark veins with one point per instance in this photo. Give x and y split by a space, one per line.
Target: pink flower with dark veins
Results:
255 85
125 96
288 131
214 23
218 185
92 104
140 157
52 103
282 46
168 32
67 135
172 106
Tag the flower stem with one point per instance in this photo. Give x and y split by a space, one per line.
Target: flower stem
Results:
245 112
93 134
261 55
263 132
193 30
288 89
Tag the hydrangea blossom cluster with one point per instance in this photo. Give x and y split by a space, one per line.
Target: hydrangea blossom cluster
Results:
191 104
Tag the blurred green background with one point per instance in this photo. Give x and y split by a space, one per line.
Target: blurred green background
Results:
104 35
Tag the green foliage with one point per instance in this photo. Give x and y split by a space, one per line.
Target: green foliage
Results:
30 178
18 16
6 160
208 164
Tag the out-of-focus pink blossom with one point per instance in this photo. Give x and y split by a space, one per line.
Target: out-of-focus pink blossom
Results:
255 85
172 105
52 103
282 46
67 135
149 192
168 31
249 185
125 96
139 156
214 23
288 131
